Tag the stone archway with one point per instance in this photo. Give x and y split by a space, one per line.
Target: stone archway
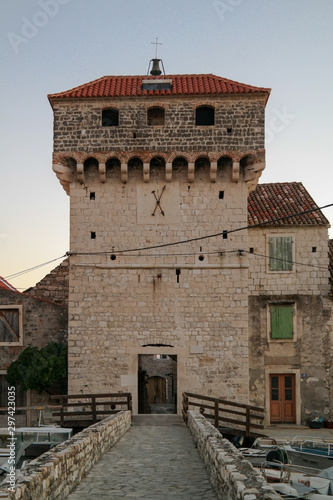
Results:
157 383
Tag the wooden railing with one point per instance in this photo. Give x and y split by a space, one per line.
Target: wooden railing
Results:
225 413
90 408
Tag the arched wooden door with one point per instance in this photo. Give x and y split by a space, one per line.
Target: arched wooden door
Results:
156 390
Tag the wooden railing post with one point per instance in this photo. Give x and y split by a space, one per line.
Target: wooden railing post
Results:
185 407
129 401
248 422
62 411
94 414
216 413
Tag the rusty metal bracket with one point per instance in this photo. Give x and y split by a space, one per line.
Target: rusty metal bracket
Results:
158 201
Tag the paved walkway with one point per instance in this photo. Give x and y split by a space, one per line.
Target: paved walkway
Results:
155 460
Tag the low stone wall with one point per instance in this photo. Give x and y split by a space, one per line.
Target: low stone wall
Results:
232 477
55 474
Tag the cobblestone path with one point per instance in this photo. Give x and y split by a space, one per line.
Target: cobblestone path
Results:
156 462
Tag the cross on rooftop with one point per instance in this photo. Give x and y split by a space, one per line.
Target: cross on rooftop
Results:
156 43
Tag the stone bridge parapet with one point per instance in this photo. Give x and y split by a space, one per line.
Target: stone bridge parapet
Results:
56 473
232 477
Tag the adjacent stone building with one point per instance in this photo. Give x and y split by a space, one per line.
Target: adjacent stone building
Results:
25 321
290 326
158 170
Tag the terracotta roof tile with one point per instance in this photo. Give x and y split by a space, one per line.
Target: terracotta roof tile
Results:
131 86
4 285
273 201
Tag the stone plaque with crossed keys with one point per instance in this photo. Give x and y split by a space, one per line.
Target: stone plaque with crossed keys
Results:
158 203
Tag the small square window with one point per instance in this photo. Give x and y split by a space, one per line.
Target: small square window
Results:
205 115
155 116
110 117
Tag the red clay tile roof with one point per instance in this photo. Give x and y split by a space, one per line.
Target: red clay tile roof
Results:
131 86
272 201
4 285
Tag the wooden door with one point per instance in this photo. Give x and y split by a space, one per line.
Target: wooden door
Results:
156 390
282 398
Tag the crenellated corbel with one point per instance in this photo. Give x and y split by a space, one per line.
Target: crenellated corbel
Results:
235 171
124 172
168 172
146 172
213 171
253 171
102 172
64 174
80 172
190 173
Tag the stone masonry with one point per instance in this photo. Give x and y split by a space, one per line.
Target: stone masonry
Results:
135 187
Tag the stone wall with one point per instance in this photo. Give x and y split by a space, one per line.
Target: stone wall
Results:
306 356
56 473
78 124
187 300
42 322
310 271
232 477
54 286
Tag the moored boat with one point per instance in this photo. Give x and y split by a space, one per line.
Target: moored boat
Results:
298 481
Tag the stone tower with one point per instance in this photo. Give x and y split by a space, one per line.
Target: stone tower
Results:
154 167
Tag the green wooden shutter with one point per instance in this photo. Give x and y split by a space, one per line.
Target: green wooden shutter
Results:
280 253
282 321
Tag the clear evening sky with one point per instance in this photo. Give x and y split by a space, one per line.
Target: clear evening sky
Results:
49 46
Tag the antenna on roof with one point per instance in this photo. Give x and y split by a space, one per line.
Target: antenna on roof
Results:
156 70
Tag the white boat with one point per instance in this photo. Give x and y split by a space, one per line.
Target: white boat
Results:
31 442
317 453
299 482
311 453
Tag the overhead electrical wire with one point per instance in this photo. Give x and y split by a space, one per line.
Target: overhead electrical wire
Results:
223 233
284 260
16 275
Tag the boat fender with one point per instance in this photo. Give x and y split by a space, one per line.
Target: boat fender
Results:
238 441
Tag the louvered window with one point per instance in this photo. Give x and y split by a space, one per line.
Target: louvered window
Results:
280 253
11 325
282 321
